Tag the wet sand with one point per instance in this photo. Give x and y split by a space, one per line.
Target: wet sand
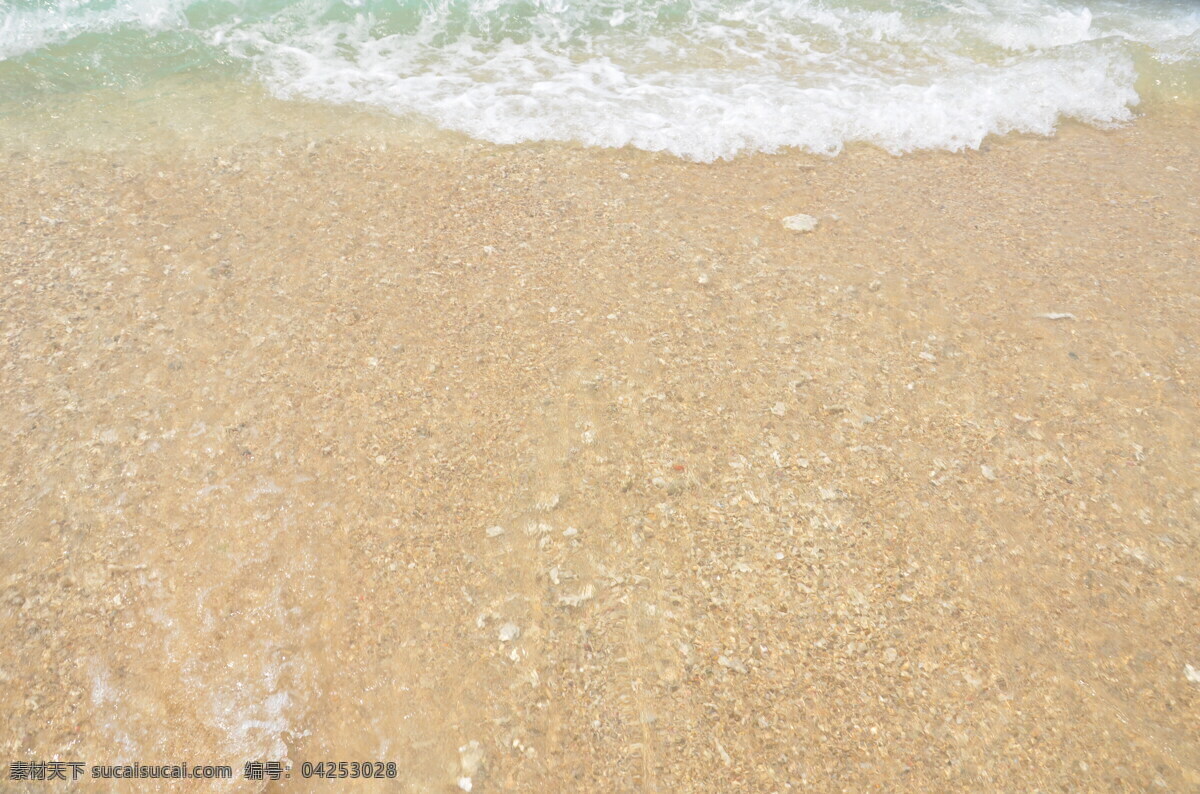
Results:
571 470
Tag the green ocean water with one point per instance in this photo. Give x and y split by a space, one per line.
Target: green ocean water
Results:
702 79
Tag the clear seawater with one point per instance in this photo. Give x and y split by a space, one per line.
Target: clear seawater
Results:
702 79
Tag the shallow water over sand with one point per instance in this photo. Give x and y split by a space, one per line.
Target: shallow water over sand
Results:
828 509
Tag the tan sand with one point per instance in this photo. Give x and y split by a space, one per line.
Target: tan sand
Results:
839 510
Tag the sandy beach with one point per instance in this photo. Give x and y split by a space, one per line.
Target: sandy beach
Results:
546 468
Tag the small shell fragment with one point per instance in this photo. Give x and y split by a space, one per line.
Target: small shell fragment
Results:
586 594
732 664
800 223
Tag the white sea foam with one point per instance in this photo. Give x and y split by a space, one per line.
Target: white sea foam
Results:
787 94
702 79
752 76
27 30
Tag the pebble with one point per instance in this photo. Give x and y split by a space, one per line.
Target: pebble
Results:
509 632
494 532
779 409
988 473
800 223
1191 674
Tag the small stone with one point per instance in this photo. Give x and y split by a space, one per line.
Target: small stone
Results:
702 279
1191 674
494 532
930 357
890 655
779 409
570 532
381 459
988 473
509 632
800 223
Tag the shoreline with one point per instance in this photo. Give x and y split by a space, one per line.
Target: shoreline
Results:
199 118
837 510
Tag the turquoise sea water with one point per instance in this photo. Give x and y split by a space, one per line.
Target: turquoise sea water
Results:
702 79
